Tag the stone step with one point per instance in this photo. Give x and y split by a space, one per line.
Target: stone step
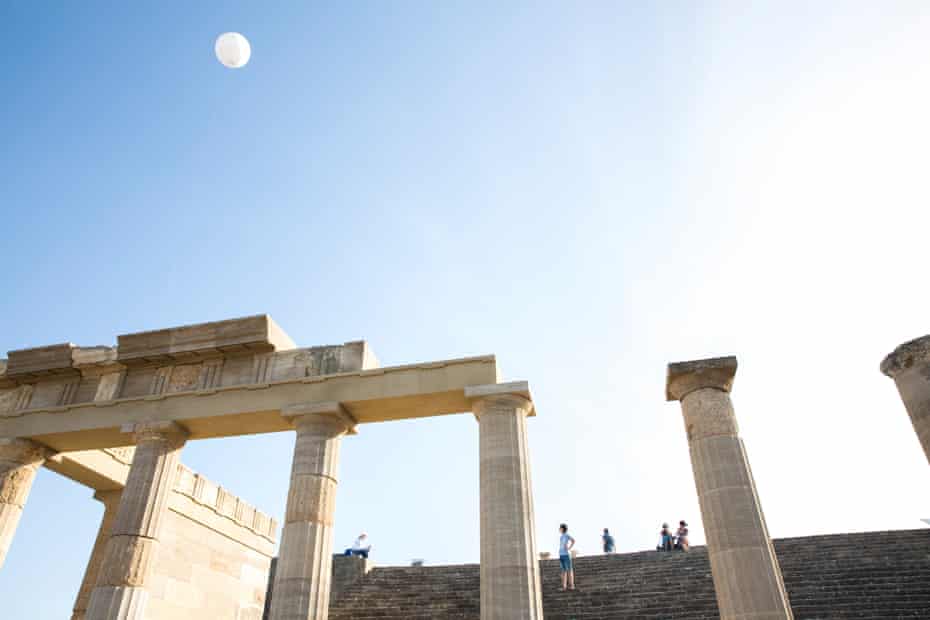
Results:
867 575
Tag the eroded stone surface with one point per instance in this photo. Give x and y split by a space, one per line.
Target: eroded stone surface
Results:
685 377
912 353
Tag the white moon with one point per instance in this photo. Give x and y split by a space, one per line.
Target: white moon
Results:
233 50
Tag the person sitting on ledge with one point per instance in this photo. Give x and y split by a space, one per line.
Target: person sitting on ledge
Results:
681 537
665 543
360 547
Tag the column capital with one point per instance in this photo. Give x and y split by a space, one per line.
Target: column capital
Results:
327 412
686 377
912 353
110 499
23 451
156 431
514 394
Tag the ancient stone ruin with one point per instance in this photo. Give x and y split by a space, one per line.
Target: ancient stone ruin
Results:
172 544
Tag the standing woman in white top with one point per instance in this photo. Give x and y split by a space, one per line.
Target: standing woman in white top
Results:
566 543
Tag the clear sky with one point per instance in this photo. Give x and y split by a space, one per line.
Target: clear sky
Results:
588 190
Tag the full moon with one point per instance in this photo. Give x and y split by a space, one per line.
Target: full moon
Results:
233 50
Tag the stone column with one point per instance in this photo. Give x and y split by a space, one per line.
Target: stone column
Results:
19 461
909 366
110 500
121 590
304 569
747 578
510 579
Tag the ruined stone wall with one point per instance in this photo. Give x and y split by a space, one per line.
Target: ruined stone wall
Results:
214 557
201 573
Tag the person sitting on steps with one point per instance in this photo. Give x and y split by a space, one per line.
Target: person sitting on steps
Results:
681 537
359 547
665 543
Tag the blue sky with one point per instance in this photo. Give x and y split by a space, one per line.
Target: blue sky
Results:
588 190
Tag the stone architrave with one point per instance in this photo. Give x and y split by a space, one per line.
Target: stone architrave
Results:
909 366
747 577
121 589
19 460
510 577
110 501
304 569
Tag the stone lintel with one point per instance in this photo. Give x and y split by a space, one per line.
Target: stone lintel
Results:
911 353
324 409
161 429
56 359
255 334
686 377
513 388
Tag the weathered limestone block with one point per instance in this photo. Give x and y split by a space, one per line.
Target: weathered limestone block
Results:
510 577
110 500
41 361
909 366
120 592
19 460
304 569
255 333
747 577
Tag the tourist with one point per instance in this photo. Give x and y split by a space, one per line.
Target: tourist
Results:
359 547
608 541
665 542
681 537
566 543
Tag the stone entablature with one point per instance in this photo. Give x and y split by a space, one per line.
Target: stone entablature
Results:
210 356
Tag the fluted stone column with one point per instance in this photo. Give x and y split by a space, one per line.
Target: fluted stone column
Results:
304 569
110 500
510 579
747 578
909 366
121 590
19 461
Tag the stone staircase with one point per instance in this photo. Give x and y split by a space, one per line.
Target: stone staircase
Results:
869 575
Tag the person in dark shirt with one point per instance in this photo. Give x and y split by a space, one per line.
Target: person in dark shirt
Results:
665 542
608 540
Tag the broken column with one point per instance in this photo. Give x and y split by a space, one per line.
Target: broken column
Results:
909 366
747 577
